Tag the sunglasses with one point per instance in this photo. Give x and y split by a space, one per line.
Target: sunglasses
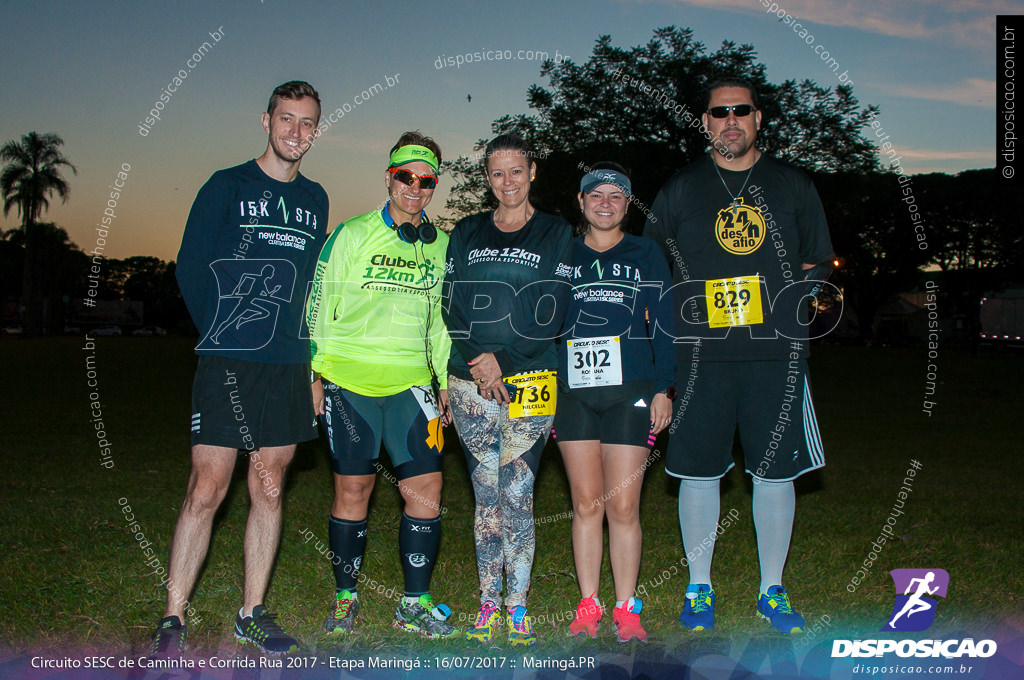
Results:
406 177
740 111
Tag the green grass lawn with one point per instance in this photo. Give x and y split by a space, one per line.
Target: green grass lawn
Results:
74 577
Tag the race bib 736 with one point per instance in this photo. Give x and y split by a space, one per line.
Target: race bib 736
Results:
535 394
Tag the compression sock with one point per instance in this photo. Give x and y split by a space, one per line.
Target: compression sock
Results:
418 543
348 542
774 506
699 503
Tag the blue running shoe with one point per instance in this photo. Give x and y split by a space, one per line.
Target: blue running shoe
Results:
774 606
699 609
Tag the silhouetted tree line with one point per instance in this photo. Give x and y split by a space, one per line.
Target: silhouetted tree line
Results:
62 272
641 107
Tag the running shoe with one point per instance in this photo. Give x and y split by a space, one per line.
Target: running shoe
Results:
520 630
488 622
343 613
627 621
588 618
262 630
699 608
774 606
424 618
168 640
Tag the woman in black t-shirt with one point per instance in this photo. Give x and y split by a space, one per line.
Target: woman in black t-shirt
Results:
502 384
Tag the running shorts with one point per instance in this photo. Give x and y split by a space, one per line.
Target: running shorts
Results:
613 414
407 423
770 402
246 405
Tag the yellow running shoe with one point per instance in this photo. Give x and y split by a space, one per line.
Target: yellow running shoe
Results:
488 622
520 630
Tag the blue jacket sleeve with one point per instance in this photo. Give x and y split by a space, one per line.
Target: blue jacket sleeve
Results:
206 220
660 311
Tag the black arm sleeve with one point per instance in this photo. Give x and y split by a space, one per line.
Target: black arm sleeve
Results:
815 243
458 299
660 222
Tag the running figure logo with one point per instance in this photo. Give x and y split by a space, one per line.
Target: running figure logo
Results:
247 315
915 611
427 277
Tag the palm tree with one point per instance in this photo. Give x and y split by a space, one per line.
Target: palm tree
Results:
31 175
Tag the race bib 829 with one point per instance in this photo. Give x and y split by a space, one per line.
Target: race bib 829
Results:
734 302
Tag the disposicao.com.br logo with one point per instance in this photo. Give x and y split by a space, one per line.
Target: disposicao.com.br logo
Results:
914 610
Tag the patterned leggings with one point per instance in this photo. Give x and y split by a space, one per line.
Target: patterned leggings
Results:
503 455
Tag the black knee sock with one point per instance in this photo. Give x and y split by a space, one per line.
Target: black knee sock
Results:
418 543
348 542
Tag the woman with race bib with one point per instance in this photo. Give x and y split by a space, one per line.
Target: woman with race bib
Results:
616 365
507 280
380 349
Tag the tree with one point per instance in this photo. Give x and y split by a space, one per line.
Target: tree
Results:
12 258
60 273
974 236
641 107
149 280
872 234
32 173
970 223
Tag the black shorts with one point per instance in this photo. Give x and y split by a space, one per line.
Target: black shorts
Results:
408 423
614 414
247 405
771 403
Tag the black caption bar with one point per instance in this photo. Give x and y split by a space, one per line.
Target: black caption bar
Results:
1009 31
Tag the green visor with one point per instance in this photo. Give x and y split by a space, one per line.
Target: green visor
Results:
414 152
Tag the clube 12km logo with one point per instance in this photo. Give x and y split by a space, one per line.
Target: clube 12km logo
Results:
914 610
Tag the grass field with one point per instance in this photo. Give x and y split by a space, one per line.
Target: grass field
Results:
74 577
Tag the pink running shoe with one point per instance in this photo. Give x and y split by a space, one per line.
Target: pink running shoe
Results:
627 621
588 618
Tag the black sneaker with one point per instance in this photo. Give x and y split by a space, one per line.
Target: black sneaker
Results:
262 630
169 639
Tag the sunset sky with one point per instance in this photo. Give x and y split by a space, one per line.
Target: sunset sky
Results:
91 72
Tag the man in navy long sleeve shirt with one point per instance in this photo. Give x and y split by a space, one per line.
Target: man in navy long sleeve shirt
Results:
247 256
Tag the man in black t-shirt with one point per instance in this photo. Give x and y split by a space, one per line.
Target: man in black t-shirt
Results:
747 239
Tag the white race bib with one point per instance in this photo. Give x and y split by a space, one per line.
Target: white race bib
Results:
425 397
595 362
